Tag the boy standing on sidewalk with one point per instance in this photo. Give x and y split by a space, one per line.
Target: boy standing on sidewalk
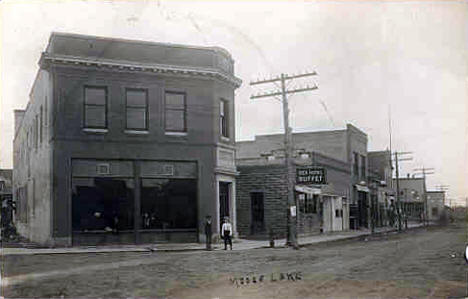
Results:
226 232
208 232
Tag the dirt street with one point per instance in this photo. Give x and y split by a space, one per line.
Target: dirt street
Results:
418 263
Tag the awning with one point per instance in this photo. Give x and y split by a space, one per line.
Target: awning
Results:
362 188
308 190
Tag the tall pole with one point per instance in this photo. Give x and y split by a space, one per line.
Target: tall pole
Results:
391 164
425 196
291 232
390 141
397 191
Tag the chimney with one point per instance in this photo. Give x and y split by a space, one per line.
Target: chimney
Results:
19 114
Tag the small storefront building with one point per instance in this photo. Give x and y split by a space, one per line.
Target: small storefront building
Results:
328 209
321 188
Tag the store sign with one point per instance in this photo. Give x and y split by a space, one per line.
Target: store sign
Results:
311 175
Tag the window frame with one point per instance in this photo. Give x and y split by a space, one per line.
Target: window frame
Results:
106 97
36 131
224 118
310 204
41 123
145 90
175 92
356 164
362 166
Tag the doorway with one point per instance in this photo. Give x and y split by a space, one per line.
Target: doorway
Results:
224 199
363 206
257 209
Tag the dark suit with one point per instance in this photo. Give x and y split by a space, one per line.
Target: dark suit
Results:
208 234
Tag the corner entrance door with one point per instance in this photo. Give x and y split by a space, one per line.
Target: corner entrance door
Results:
224 197
256 202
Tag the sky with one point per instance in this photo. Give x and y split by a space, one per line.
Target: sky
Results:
407 59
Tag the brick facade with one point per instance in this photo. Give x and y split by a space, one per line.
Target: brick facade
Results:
57 148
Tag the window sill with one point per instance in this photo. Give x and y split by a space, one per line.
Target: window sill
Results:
175 133
136 132
96 131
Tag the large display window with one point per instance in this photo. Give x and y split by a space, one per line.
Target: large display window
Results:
102 204
168 204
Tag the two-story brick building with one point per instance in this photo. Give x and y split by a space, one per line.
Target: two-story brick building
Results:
330 174
125 141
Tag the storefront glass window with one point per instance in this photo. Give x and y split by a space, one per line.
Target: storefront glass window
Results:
308 203
168 203
102 204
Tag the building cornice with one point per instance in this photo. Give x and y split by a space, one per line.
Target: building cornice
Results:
47 59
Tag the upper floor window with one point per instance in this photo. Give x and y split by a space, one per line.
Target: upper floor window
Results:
223 118
95 107
36 131
363 166
175 112
137 109
356 164
41 123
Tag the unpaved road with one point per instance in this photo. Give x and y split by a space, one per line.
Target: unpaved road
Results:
419 263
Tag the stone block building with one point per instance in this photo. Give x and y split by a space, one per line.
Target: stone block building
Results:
328 183
125 141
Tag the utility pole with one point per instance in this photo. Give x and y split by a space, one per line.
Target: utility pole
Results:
398 184
391 164
291 239
425 171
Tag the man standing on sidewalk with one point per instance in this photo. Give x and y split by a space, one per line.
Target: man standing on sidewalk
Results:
226 232
208 232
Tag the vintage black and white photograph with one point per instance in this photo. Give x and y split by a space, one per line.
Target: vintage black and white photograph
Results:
234 149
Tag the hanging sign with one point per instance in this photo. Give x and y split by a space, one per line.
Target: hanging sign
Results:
311 175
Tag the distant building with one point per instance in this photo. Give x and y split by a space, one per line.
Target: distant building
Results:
5 184
380 182
125 142
6 200
412 192
435 204
330 182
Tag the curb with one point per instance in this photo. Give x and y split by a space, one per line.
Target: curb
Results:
150 249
